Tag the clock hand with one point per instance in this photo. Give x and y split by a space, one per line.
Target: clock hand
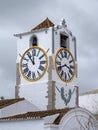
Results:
71 72
60 67
31 60
67 66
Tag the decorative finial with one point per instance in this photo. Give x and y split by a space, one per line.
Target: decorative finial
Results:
63 22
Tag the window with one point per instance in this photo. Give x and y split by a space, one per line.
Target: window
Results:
33 41
63 41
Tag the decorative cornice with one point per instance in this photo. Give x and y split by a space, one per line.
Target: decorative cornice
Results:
30 32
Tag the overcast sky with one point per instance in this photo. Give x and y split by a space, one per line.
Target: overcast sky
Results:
18 16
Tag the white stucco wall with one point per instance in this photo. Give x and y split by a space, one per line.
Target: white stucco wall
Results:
89 102
18 108
44 41
22 125
36 94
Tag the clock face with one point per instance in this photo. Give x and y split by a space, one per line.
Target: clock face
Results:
33 63
65 65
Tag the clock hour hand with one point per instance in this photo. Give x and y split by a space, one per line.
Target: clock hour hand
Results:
71 72
67 66
60 67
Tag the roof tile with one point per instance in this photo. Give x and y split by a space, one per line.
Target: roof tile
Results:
7 102
37 115
45 24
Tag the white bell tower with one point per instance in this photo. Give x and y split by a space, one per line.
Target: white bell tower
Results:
57 87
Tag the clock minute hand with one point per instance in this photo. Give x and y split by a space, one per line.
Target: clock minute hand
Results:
31 60
71 72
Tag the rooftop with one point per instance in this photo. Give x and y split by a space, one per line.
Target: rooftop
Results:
38 115
45 24
90 92
7 102
42 26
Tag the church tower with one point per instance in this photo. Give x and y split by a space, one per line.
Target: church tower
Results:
46 66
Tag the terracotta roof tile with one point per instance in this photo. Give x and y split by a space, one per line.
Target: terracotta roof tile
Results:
7 102
45 24
58 119
37 115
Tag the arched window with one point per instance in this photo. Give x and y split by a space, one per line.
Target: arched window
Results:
63 41
33 41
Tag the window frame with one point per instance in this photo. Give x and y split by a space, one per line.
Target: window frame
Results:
66 38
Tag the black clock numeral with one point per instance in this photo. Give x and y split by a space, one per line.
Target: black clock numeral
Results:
71 66
38 73
62 73
42 62
29 74
65 54
34 52
65 77
68 56
33 76
41 68
25 71
59 57
41 56
61 54
38 52
29 54
71 61
71 72
25 59
59 68
69 76
58 63
24 65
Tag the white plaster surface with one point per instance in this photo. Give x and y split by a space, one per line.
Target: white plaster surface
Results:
89 102
20 107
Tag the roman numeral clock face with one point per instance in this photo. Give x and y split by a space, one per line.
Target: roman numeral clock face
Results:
65 65
33 63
